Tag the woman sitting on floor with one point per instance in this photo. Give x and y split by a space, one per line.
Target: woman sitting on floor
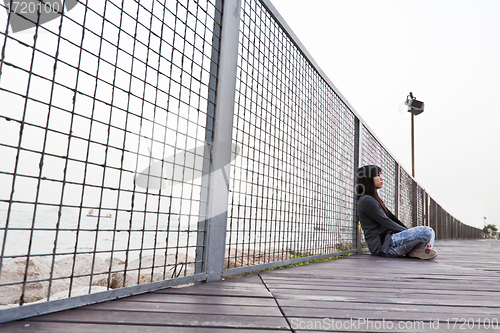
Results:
385 234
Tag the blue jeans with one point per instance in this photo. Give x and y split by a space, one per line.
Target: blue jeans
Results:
413 238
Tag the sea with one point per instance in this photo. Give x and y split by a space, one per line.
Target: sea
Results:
87 231
43 233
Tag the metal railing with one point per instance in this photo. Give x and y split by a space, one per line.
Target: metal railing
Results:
151 144
106 113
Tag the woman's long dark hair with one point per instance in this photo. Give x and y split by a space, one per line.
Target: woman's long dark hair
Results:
366 185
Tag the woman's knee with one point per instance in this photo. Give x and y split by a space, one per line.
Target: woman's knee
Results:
429 231
426 232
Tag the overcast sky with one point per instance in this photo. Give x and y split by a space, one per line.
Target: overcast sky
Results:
444 51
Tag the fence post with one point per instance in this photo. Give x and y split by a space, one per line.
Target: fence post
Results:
220 146
357 160
434 218
414 203
426 205
439 221
424 208
396 191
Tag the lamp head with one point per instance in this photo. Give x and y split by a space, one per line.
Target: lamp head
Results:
414 106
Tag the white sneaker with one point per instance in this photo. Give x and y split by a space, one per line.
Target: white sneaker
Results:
427 253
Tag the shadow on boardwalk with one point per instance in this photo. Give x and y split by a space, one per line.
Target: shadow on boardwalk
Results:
458 291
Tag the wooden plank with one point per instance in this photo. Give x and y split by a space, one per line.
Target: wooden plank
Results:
424 300
358 291
202 299
356 288
441 328
336 278
231 309
366 325
430 308
381 294
219 290
401 298
378 285
48 327
381 275
396 267
410 315
248 279
165 319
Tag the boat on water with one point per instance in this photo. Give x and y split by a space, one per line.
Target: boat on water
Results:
91 213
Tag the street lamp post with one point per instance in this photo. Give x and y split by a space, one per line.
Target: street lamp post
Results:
413 144
415 108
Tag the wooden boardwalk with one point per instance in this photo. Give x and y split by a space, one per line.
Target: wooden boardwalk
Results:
456 292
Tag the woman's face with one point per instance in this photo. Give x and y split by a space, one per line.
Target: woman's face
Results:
378 181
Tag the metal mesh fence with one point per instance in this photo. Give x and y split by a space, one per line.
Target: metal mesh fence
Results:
375 154
446 226
107 143
406 198
106 109
420 206
291 187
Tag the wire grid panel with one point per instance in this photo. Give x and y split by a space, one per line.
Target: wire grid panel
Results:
105 114
433 216
373 153
420 206
292 185
406 198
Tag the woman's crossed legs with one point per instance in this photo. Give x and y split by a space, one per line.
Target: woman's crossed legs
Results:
417 238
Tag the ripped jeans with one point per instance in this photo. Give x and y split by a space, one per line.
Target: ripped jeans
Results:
413 238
